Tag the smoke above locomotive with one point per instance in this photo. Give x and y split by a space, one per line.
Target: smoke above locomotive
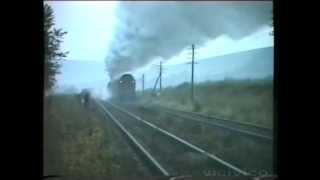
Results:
123 88
151 30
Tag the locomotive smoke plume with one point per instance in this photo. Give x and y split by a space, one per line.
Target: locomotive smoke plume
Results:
148 30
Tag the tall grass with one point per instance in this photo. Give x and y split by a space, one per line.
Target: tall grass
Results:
241 100
75 142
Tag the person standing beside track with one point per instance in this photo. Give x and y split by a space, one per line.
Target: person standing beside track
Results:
85 98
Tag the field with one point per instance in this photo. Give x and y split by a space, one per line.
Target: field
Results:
240 100
80 143
75 142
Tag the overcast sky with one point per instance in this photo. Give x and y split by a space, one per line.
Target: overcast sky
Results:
91 27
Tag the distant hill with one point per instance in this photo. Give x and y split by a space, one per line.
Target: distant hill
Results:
253 64
80 72
83 74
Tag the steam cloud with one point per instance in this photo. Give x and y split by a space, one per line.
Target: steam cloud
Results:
149 30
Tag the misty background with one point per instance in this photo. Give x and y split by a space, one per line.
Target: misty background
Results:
107 39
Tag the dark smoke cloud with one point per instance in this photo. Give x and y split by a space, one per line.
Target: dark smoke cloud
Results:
148 30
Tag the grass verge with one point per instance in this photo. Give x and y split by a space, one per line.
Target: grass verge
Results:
248 101
75 142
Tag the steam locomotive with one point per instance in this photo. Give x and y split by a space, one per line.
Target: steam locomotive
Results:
123 89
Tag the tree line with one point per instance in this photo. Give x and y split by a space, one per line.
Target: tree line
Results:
53 55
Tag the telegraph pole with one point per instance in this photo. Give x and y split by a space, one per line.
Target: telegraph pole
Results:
155 85
142 83
160 76
192 74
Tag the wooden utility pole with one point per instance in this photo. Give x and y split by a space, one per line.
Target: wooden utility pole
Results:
155 85
192 75
160 75
142 83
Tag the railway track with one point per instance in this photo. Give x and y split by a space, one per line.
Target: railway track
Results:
167 153
252 154
151 161
245 129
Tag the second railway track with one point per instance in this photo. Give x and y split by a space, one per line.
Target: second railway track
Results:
234 126
245 151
